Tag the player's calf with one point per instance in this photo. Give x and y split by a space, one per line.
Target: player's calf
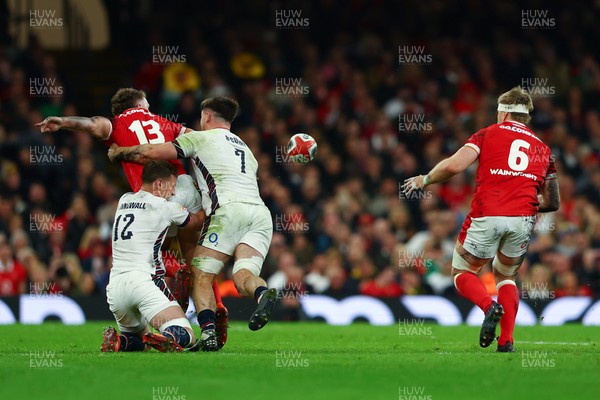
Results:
249 284
508 297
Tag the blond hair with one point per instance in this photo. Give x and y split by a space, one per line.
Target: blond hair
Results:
518 95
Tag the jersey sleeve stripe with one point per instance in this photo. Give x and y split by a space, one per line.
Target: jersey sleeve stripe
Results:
180 153
210 182
474 147
156 251
204 230
159 281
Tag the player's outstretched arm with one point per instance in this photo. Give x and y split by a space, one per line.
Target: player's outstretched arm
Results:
98 127
444 170
196 221
143 153
549 196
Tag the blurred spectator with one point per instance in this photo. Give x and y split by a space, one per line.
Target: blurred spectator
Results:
79 220
95 268
384 285
13 276
65 274
356 227
569 286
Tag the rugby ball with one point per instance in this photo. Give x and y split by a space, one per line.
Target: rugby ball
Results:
302 148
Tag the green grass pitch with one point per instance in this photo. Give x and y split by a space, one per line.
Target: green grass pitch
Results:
305 361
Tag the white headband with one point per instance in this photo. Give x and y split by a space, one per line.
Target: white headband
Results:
518 108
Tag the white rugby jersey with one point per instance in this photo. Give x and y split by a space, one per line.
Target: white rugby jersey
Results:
139 230
225 168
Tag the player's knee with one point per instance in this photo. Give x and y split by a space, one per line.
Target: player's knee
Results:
459 264
251 264
181 330
503 269
245 268
208 265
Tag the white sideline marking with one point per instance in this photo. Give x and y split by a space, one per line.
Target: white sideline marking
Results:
559 343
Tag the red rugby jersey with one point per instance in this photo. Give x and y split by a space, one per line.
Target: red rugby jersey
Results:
513 165
139 126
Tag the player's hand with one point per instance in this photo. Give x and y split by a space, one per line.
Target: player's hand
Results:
50 124
112 151
412 184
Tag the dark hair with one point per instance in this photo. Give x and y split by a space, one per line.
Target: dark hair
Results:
158 170
224 107
124 99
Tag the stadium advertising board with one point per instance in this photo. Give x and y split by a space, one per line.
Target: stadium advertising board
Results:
31 309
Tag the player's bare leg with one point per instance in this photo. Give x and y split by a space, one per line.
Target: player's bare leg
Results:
465 268
505 271
248 263
175 331
188 240
207 263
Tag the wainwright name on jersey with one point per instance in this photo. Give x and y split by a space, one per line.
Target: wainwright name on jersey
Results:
225 167
139 230
139 126
513 165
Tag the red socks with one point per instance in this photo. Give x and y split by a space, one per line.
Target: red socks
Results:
508 297
470 287
217 292
171 264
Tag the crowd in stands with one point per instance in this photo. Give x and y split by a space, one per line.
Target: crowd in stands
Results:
342 227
